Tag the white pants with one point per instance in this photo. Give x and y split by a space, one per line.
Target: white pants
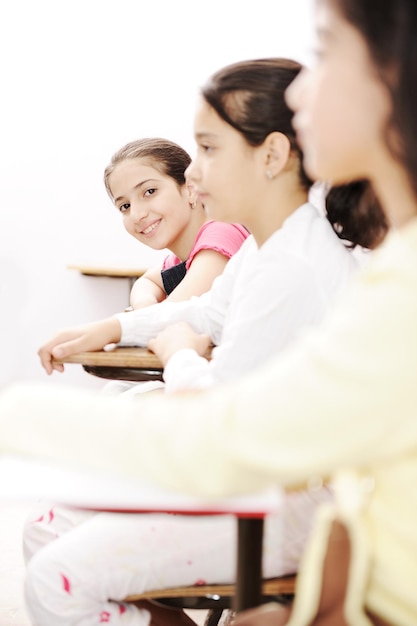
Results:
130 388
82 565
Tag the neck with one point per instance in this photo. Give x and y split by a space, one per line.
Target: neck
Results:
276 210
396 195
183 244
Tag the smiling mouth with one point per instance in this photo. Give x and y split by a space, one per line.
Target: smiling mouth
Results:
150 229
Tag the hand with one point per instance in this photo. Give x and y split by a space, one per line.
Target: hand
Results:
177 337
78 339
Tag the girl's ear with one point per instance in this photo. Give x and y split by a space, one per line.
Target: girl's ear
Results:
277 154
192 195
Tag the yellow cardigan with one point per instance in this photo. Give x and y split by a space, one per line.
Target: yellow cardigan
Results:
341 404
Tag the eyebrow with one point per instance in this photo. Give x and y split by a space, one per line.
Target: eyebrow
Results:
324 33
205 135
140 184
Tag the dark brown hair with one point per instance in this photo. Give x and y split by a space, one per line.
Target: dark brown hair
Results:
356 215
389 30
249 96
162 154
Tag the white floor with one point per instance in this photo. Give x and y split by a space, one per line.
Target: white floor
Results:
12 609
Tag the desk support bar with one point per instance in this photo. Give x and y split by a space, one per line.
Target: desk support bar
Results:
249 564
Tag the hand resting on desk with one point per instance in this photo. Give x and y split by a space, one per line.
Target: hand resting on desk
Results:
177 337
83 338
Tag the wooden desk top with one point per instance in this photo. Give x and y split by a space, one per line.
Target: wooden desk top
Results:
108 271
119 357
29 479
134 364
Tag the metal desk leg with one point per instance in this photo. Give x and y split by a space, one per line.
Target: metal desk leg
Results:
249 564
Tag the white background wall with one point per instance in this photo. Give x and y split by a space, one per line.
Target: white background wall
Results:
79 78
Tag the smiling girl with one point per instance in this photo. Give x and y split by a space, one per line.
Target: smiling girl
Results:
146 181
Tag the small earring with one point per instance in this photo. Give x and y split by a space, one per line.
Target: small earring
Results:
269 175
193 205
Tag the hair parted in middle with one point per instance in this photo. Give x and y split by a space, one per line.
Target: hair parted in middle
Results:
166 156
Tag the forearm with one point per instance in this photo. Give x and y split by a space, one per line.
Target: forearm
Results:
83 338
305 415
138 327
145 292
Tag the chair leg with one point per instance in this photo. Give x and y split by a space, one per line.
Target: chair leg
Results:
213 617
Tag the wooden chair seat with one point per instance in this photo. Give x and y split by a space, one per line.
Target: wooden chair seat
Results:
219 596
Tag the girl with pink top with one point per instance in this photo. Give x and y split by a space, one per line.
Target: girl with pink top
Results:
146 181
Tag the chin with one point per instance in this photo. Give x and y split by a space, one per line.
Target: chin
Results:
320 170
310 167
211 214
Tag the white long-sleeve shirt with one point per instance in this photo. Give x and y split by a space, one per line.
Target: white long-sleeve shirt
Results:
265 297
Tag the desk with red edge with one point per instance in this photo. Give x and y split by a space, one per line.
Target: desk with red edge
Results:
140 364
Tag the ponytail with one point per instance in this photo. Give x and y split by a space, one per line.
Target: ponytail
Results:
356 215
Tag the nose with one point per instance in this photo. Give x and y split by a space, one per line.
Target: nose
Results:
295 91
192 176
138 212
192 173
